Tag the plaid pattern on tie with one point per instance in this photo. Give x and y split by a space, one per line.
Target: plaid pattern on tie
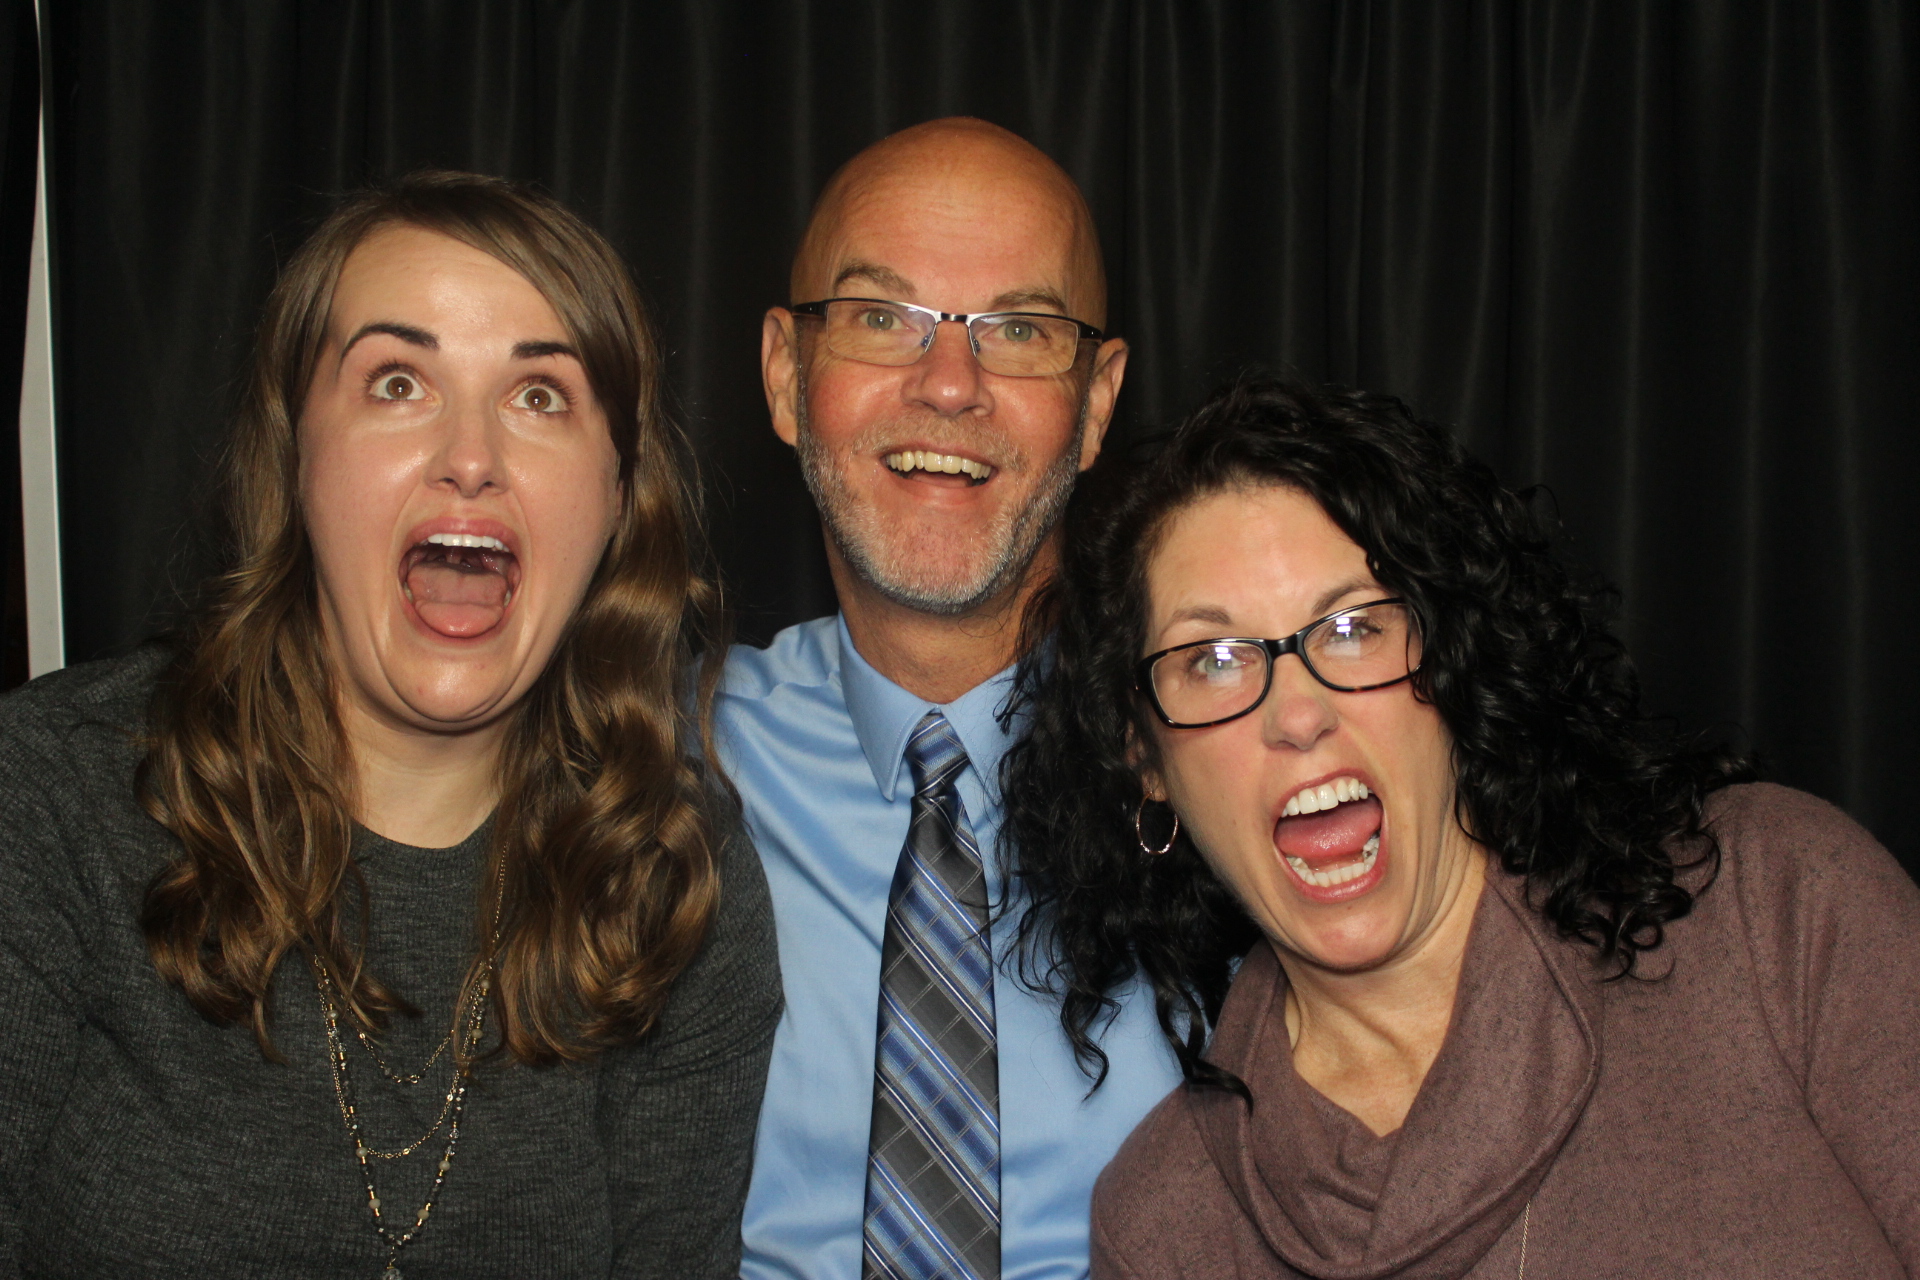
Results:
933 1165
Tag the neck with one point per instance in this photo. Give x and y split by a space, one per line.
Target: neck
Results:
418 787
938 657
1366 1040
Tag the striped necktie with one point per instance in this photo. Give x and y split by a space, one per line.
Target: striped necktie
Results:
933 1163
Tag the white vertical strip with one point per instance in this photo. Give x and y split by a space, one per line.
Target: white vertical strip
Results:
39 467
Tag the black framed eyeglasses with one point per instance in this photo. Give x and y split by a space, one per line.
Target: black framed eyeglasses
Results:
1209 682
1014 344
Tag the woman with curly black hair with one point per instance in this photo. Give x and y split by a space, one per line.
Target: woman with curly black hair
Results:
1523 981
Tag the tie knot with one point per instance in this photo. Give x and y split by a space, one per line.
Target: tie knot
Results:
934 753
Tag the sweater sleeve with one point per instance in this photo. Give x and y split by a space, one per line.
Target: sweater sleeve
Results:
42 956
679 1113
1834 924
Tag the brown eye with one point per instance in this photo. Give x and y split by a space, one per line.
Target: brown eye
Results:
540 398
397 386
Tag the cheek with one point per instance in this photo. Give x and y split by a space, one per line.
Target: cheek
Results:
351 493
573 504
1417 752
1040 415
1213 783
843 397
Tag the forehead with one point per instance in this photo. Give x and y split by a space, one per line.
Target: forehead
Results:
1251 549
960 242
410 273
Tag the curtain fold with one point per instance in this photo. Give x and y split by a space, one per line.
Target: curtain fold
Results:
1657 255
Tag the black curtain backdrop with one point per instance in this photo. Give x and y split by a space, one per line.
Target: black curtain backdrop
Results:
19 149
1658 255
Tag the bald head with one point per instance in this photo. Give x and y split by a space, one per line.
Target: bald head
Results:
959 192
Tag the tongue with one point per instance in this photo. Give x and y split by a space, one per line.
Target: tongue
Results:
1331 835
459 595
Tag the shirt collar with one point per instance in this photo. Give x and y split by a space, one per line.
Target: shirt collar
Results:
884 715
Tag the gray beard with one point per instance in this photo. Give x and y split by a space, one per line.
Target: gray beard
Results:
876 559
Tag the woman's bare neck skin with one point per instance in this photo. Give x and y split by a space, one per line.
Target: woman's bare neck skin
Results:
1365 1041
425 789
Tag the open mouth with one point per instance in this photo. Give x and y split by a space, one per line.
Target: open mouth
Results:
1329 836
949 468
460 584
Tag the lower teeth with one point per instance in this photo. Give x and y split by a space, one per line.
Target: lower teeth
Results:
1369 854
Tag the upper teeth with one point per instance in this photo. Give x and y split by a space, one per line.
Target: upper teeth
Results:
951 463
1325 796
466 540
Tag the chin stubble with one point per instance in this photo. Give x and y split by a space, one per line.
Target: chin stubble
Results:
876 553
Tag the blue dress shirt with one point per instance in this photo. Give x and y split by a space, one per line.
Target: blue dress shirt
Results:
814 739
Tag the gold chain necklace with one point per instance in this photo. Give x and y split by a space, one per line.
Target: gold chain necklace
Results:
366 1042
451 1110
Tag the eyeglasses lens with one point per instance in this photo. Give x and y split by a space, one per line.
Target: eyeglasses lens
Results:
1017 346
1211 681
1219 679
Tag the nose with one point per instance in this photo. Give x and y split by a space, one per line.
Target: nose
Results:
948 378
468 461
1299 710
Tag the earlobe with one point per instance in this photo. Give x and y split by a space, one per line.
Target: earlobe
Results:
779 372
1151 784
1103 391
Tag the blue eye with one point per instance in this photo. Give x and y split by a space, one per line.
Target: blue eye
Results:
1217 662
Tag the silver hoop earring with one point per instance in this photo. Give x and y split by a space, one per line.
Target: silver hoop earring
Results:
1141 836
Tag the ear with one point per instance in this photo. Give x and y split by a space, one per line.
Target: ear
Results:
1151 783
1103 390
780 372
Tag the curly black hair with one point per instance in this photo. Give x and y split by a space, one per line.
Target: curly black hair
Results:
1556 771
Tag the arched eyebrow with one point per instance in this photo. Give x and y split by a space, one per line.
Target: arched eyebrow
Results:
538 350
393 329
1028 299
885 278
1214 615
1353 586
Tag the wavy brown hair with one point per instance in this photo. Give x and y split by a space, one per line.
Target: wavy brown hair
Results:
607 832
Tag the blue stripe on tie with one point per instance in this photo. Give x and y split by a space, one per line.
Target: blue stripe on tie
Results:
914 1059
950 947
931 1090
914 1241
969 1178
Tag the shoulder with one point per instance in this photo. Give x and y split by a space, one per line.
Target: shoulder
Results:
738 965
1825 916
806 654
781 711
70 741
1784 847
744 921
81 701
1161 1208
76 851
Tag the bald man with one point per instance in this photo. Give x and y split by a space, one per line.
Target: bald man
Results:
943 378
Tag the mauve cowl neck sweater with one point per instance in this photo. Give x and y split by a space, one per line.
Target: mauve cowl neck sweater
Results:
1750 1110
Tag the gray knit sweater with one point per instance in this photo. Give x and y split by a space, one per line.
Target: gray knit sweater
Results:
139 1139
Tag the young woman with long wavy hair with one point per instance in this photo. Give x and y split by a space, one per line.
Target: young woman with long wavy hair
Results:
1473 970
389 918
